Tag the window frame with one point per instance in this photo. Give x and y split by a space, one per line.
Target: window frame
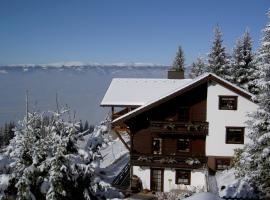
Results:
235 105
224 162
177 173
160 145
183 151
227 141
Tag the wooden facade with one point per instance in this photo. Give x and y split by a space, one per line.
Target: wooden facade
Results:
183 117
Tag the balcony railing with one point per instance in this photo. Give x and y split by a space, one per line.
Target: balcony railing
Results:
175 161
190 128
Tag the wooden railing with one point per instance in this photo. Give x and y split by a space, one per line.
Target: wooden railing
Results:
175 161
190 128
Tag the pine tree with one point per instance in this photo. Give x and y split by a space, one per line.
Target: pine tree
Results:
86 125
197 68
218 59
254 161
243 67
179 60
46 161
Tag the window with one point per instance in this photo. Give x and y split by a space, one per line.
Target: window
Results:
222 163
182 177
183 145
227 102
183 114
235 135
157 146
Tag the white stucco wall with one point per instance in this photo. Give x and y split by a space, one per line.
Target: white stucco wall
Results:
144 174
219 119
197 178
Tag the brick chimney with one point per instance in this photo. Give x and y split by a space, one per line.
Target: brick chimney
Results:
175 74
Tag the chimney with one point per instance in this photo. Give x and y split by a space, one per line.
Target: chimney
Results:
175 74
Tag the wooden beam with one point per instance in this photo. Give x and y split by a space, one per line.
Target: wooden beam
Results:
123 141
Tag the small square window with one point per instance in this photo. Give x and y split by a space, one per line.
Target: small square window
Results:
182 177
222 163
183 145
235 135
157 146
227 102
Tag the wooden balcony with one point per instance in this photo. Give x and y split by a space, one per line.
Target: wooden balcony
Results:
182 128
172 161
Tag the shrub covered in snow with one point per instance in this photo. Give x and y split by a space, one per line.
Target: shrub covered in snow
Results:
47 163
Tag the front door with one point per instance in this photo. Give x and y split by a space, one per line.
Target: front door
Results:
157 180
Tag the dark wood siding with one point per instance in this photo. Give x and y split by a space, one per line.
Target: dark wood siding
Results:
142 134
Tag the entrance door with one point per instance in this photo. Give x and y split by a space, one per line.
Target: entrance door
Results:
157 180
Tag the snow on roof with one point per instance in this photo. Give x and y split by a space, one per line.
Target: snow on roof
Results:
203 77
137 92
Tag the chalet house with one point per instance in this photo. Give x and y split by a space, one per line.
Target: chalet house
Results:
179 128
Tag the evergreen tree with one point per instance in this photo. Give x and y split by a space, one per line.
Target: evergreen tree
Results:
254 162
81 126
46 161
197 68
243 66
179 60
218 59
86 125
1 137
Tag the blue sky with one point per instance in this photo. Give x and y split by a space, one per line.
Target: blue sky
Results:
111 31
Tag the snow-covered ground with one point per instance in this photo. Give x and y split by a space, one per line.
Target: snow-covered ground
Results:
231 186
4 179
203 196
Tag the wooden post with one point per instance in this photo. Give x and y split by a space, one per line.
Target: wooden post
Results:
112 112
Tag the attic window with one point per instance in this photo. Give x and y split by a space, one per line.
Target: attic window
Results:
235 135
183 114
227 102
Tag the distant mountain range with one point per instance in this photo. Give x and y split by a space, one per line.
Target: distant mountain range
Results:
81 65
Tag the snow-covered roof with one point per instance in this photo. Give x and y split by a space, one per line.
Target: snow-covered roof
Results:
190 84
137 92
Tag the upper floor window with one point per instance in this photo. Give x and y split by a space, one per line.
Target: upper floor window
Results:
183 145
235 135
227 102
157 146
182 177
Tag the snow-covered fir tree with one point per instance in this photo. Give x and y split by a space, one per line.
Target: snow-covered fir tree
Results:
218 59
46 162
197 68
179 60
243 67
254 163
